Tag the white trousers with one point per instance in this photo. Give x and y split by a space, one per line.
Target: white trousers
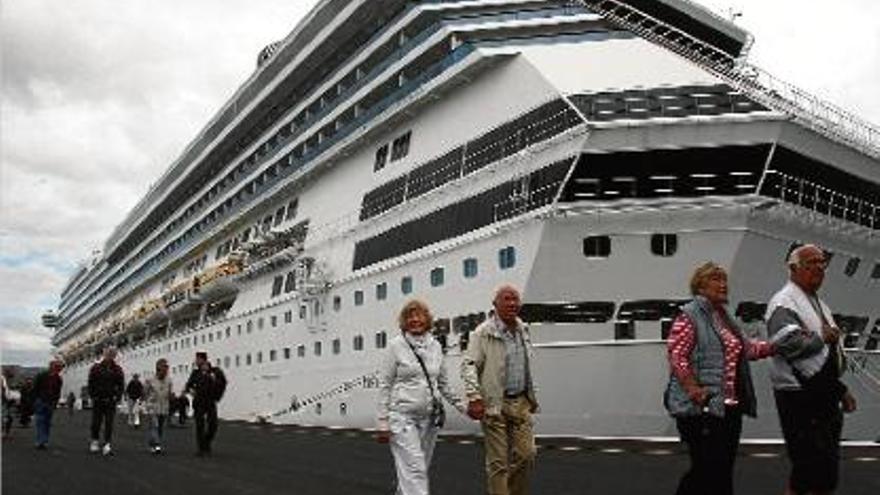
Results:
412 443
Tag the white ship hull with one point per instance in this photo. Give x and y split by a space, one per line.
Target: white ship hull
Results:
548 148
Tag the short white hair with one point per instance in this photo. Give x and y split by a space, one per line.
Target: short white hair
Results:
797 254
501 289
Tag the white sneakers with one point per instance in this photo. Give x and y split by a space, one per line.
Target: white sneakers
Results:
156 449
95 447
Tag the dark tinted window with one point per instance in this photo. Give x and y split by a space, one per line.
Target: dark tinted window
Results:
650 309
750 311
597 246
573 312
664 244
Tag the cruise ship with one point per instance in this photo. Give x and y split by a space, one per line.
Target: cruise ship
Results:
590 152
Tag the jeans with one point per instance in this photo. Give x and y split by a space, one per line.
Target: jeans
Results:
157 429
105 411
712 444
43 420
412 444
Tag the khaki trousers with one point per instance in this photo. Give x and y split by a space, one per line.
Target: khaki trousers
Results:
510 448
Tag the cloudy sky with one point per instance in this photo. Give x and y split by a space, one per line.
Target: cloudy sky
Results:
99 96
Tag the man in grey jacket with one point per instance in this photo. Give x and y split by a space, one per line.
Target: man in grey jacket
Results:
805 373
496 371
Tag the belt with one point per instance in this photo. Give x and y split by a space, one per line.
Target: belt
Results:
514 396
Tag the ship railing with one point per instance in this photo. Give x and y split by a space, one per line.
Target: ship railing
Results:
369 380
525 200
807 109
820 199
471 157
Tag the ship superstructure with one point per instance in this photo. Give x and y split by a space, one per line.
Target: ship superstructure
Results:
590 152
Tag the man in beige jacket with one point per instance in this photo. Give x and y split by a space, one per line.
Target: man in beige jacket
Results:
496 371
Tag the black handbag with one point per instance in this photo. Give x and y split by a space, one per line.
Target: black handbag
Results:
438 412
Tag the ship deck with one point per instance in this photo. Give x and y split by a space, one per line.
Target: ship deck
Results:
269 459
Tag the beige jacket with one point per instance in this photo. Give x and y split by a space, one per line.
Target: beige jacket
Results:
483 370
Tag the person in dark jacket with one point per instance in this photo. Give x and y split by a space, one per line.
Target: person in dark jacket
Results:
207 384
26 403
182 408
106 384
710 383
46 392
135 393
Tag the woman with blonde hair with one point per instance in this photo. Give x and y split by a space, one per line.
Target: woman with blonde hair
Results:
413 376
710 383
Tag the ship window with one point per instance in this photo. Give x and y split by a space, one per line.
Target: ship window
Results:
273 355
381 291
302 312
598 246
228 334
507 257
664 244
873 337
469 266
279 217
259 356
290 282
288 316
260 323
273 321
317 348
287 353
358 343
381 158
875 273
301 351
437 276
406 285
573 312
852 327
247 359
237 360
624 330
337 346
277 284
337 303
400 146
381 340
210 337
852 266
649 309
292 208
750 311
358 298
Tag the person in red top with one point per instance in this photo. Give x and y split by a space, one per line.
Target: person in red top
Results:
710 385
47 391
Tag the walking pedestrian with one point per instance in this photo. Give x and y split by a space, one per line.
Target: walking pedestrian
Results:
710 382
207 385
7 403
182 408
71 402
810 397
134 393
46 393
106 384
497 375
158 396
411 412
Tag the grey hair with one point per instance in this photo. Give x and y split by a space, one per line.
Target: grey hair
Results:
505 288
797 254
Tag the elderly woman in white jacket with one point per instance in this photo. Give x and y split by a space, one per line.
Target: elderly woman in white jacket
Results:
410 405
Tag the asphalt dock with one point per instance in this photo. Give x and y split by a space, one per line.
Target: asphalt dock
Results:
252 459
